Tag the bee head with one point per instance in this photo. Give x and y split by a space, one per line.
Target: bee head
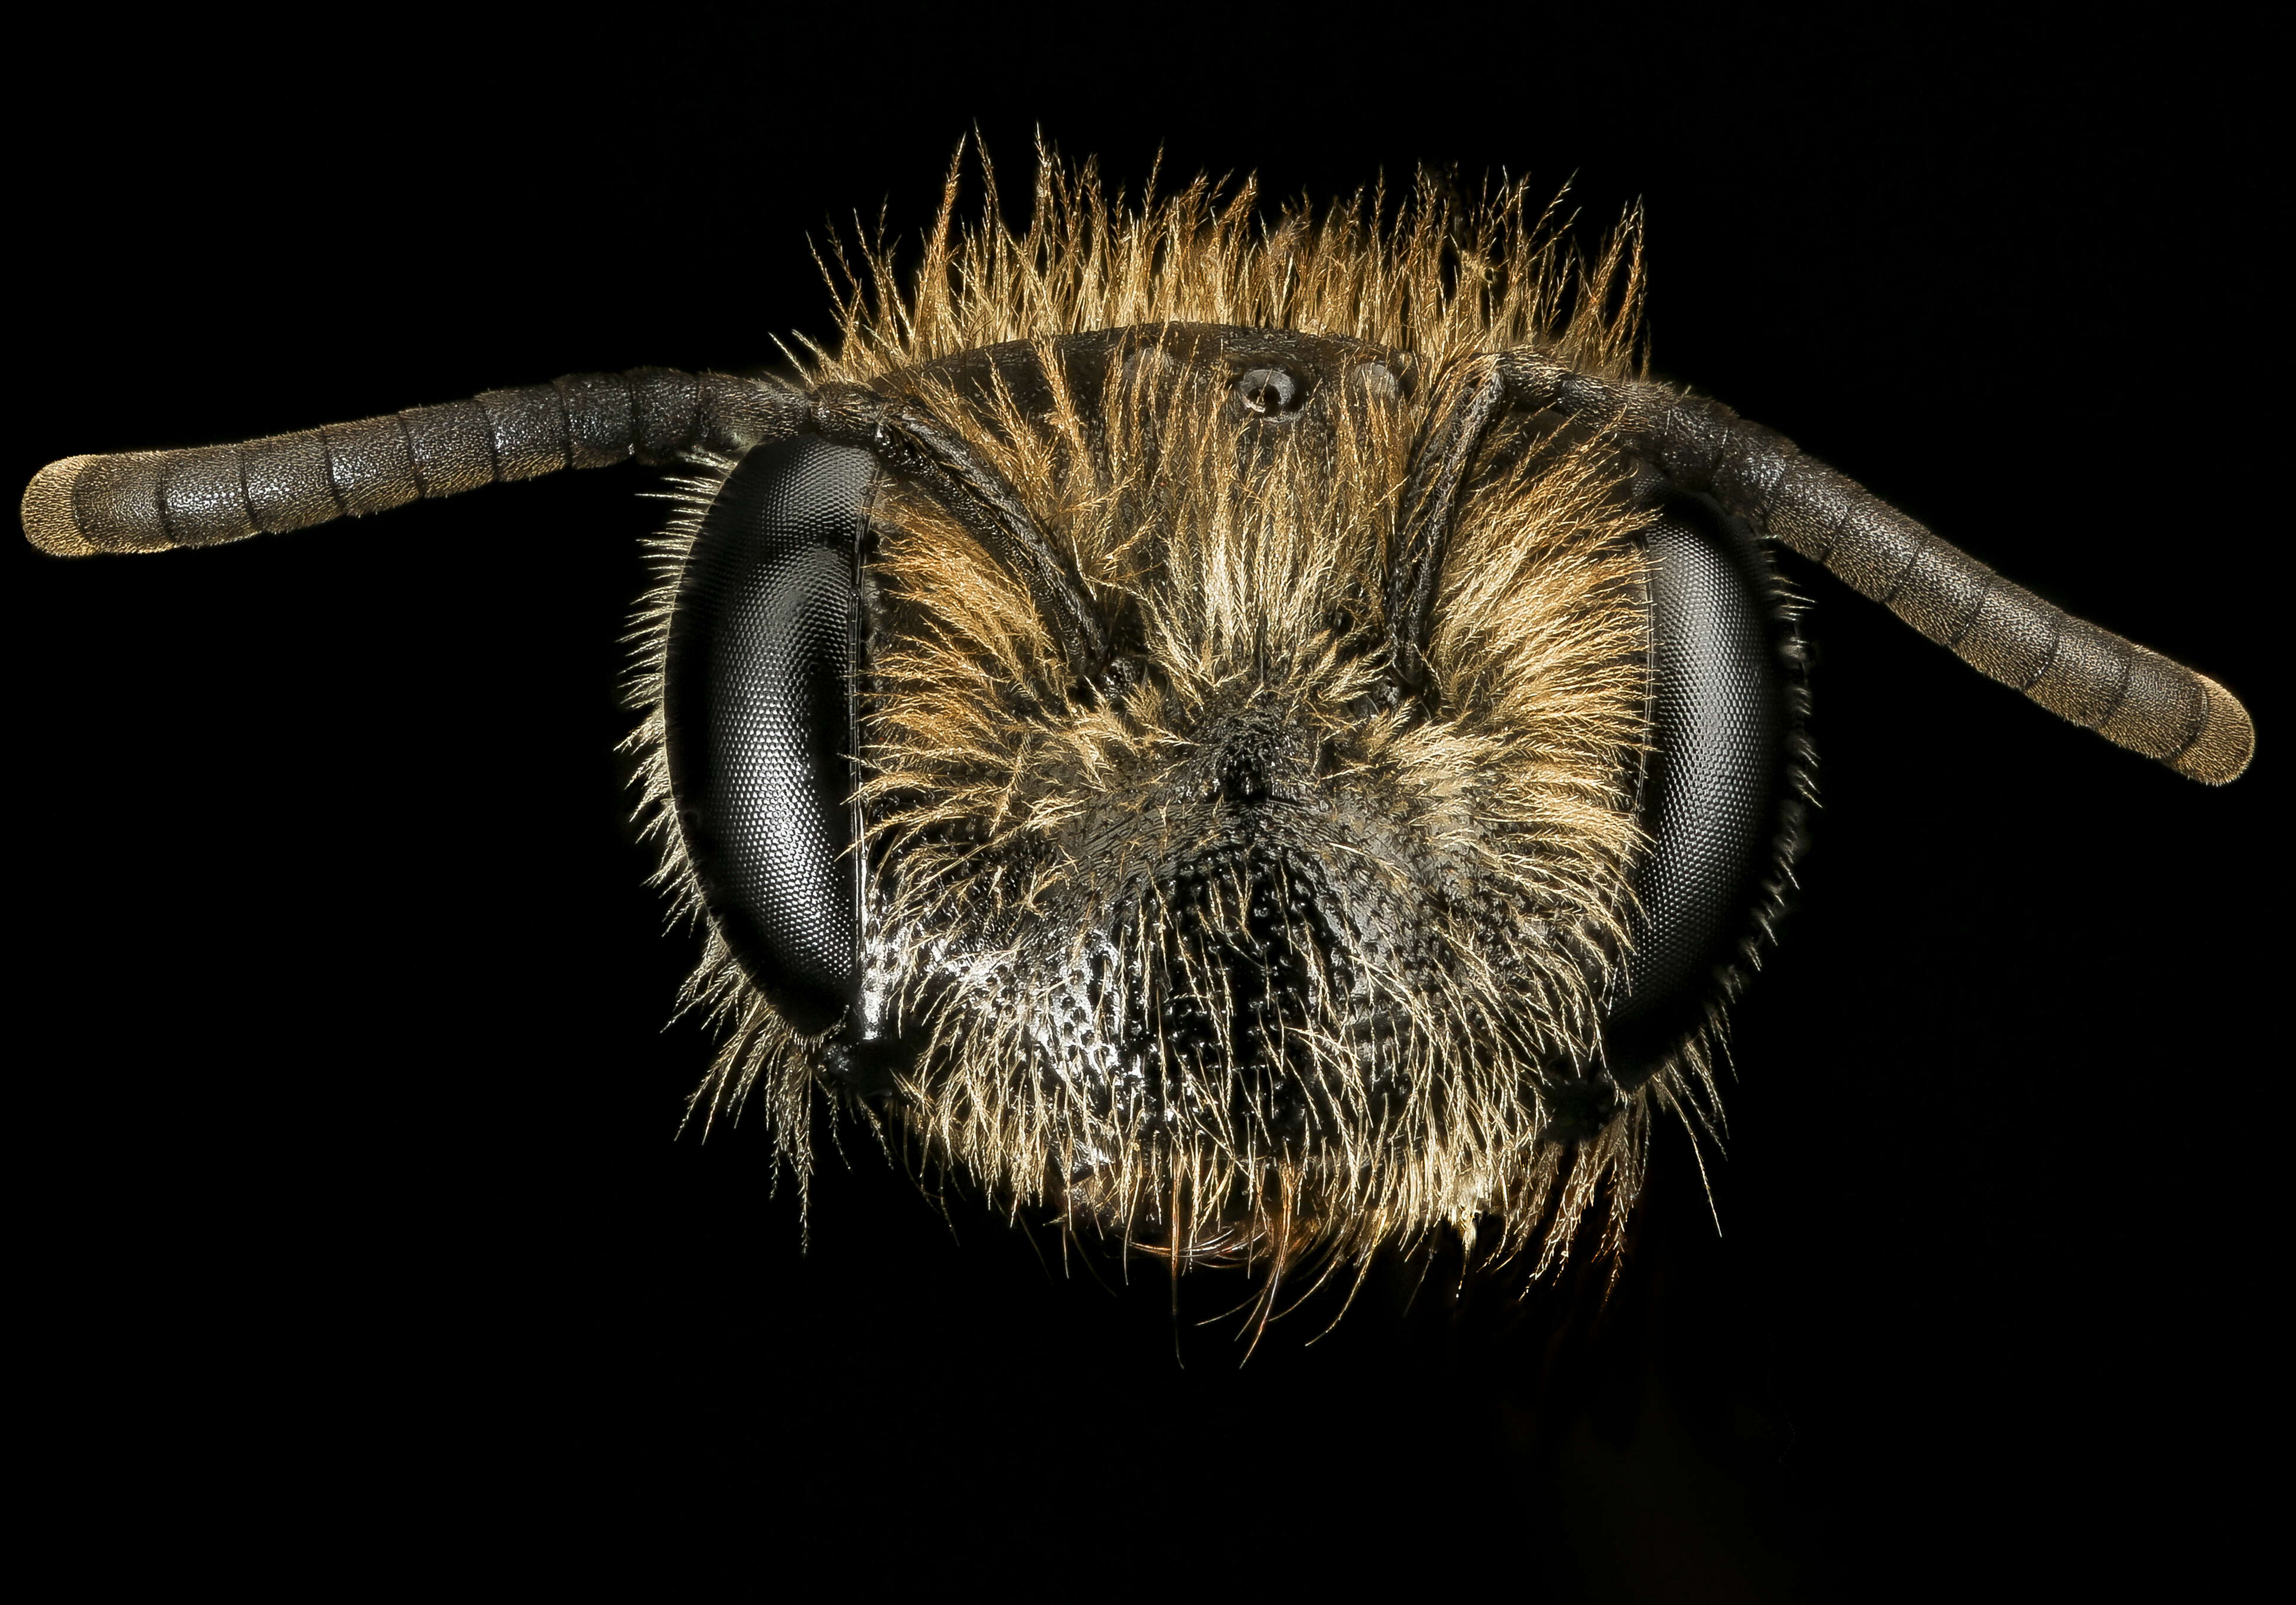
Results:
1263 739
1220 940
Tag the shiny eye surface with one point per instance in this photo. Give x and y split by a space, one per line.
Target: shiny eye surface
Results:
1726 699
758 695
1271 392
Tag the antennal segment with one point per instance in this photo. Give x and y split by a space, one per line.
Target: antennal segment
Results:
2085 675
207 495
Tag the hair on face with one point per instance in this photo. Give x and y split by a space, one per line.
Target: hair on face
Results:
1357 1008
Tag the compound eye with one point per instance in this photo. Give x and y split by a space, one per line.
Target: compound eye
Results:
758 699
1271 392
1717 777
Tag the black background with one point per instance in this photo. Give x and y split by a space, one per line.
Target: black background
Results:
356 1235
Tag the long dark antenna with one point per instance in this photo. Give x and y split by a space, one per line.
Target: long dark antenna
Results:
2082 673
206 496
